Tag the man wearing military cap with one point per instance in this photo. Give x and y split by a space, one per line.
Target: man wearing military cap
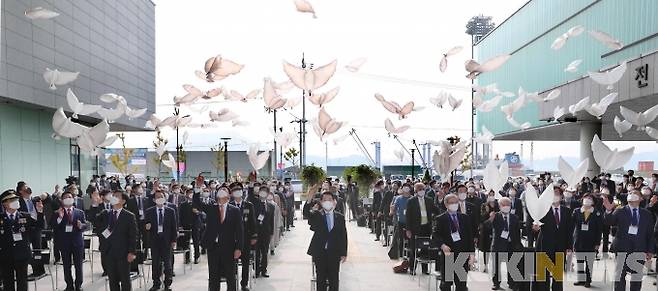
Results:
15 250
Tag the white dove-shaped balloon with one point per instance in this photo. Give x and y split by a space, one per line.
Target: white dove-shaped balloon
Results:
341 138
325 124
320 99
609 159
304 6
572 176
92 138
439 100
559 42
621 126
514 106
112 98
40 13
580 105
112 114
599 108
454 102
494 178
573 66
489 105
449 157
639 119
257 160
56 78
271 97
651 132
355 65
516 124
606 39
538 206
218 68
161 149
475 69
193 93
236 96
554 94
109 141
154 122
394 107
558 112
399 154
170 162
292 102
610 77
388 124
222 115
64 127
443 65
484 137
309 79
78 107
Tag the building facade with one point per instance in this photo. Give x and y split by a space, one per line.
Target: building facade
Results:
111 44
527 36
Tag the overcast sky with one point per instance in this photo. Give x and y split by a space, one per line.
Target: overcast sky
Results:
402 40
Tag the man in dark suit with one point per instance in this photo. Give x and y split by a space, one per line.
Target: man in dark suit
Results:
453 234
352 198
385 208
420 212
161 224
137 204
68 224
555 237
635 236
516 204
328 246
588 227
469 209
29 206
190 219
223 238
250 233
15 251
117 234
506 239
265 226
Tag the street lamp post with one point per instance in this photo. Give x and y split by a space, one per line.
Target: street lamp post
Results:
179 146
226 139
413 158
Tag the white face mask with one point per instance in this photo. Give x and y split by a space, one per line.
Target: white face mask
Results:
646 192
491 199
205 194
420 194
568 195
462 196
588 202
67 201
108 197
471 190
557 199
222 194
633 197
406 189
512 193
262 194
270 198
505 209
453 207
114 200
237 194
327 205
160 201
14 205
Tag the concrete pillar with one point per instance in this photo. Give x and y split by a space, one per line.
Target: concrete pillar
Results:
587 131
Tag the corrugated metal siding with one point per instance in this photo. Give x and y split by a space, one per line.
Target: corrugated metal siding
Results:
537 67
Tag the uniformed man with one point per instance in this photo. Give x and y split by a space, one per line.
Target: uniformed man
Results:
15 229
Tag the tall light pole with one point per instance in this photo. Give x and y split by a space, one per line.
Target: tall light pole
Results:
274 149
179 146
413 151
226 139
477 27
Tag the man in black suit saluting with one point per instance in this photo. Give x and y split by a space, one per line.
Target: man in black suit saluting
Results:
329 243
161 225
223 238
117 233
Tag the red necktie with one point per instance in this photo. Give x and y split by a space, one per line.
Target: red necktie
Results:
557 216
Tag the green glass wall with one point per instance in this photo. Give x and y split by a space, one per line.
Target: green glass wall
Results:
27 151
536 67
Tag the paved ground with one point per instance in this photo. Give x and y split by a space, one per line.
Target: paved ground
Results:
367 268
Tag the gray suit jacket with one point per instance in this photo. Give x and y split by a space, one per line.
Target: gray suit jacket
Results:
644 241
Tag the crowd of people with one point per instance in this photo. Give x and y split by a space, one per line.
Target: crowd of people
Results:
232 224
464 218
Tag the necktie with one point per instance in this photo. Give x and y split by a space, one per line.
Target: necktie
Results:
68 216
455 222
160 216
30 207
113 218
506 222
12 217
221 213
139 203
635 218
557 216
330 225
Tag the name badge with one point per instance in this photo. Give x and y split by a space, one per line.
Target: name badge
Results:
584 227
18 236
69 228
455 236
632 230
246 211
160 228
261 217
141 212
513 211
504 234
106 233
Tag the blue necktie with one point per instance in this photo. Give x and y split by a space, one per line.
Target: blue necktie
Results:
160 216
635 218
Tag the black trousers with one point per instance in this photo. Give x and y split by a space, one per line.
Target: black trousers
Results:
636 278
35 241
221 264
496 267
378 225
262 250
446 281
327 269
245 259
161 254
425 230
118 272
14 273
72 256
551 283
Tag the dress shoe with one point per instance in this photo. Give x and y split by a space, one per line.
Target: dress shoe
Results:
154 288
68 288
292 225
104 274
196 261
376 239
587 285
578 283
265 275
495 287
78 289
244 288
272 252
167 288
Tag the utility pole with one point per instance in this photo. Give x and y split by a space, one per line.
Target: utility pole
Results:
226 139
302 142
274 149
413 151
